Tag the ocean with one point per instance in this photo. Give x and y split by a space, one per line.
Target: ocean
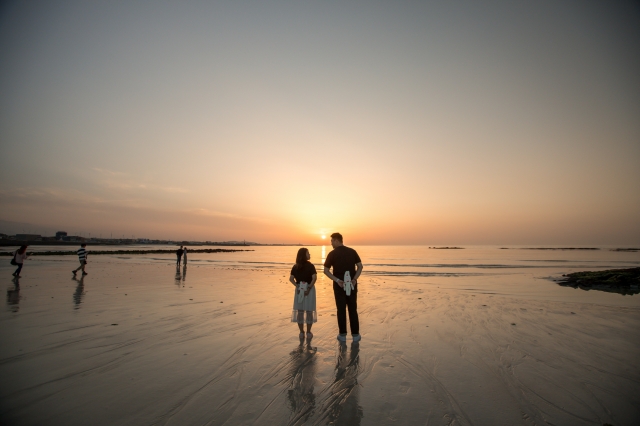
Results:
522 271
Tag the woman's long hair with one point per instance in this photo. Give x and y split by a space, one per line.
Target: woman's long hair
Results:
22 249
301 257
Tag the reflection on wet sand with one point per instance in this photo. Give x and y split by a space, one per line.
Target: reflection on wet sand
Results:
178 276
342 405
231 356
181 275
79 293
13 295
301 377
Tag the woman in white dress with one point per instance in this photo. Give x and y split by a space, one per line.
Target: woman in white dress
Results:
303 277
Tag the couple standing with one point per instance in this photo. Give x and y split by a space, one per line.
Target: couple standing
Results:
181 253
347 267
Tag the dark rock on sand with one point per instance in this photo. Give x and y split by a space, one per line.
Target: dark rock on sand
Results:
623 281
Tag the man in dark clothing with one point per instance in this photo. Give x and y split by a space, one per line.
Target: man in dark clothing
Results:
179 254
344 259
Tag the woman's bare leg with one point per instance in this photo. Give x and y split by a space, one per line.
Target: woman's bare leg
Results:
309 318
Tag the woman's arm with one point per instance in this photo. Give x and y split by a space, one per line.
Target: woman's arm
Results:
292 280
314 278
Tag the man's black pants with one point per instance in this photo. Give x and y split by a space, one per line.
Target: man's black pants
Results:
344 302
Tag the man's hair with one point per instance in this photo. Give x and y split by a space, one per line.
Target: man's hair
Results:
336 236
83 245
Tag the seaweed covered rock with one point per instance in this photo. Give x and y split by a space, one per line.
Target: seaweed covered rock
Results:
624 281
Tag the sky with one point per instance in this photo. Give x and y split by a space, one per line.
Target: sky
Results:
392 122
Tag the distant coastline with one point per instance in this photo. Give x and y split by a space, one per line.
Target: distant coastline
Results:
17 243
92 252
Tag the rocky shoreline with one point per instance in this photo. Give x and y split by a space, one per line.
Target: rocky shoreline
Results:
623 281
92 252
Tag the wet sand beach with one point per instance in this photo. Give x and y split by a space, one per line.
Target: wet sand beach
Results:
137 343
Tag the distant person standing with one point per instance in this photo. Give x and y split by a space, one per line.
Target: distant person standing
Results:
179 253
82 257
185 256
19 257
344 260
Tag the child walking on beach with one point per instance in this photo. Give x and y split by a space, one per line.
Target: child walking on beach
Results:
19 257
303 277
82 256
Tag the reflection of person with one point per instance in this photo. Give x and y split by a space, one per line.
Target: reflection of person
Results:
344 259
179 254
178 275
303 277
302 372
82 257
346 410
13 295
19 257
77 296
184 255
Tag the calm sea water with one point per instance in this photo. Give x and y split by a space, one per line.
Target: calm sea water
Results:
516 271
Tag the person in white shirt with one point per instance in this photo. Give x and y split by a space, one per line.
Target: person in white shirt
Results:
18 259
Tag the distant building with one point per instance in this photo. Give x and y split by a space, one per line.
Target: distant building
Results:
60 235
28 237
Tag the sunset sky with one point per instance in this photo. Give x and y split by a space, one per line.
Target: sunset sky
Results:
393 122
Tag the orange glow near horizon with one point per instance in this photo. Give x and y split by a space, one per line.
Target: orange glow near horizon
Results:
397 126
